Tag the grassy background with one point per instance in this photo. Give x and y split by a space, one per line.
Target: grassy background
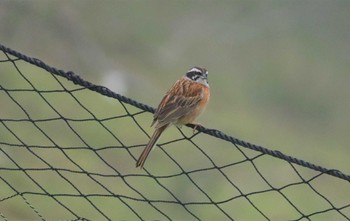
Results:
278 70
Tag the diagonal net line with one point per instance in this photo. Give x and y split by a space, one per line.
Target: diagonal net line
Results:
64 146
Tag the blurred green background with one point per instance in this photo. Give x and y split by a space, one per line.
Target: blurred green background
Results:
278 70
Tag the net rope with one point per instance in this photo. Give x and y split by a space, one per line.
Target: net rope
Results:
68 145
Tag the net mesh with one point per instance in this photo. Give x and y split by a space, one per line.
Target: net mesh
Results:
68 150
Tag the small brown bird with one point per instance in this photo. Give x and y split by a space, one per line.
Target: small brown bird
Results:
181 105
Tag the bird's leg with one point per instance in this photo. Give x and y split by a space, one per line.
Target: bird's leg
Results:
195 126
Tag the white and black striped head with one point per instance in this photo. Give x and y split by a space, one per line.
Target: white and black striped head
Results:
198 74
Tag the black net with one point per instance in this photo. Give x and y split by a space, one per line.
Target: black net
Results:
68 150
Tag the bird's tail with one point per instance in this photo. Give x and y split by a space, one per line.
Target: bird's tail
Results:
141 161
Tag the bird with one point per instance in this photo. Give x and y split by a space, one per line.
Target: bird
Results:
181 104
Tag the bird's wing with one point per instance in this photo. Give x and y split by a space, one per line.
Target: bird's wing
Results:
178 101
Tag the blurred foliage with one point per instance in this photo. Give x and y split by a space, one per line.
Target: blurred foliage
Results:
278 70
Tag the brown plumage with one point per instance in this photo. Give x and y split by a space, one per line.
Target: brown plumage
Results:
182 104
